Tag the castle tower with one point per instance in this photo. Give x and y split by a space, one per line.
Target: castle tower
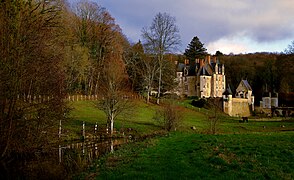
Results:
228 101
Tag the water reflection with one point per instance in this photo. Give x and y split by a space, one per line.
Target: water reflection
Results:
91 148
61 161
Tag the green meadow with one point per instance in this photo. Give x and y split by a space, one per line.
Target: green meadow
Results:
259 149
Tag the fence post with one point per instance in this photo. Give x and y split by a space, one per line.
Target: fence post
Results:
96 127
84 130
59 133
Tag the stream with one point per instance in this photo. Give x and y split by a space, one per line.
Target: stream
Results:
59 161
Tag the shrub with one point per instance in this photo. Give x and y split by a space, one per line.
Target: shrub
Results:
198 103
169 117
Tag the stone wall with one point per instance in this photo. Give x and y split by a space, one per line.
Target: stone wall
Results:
190 86
240 107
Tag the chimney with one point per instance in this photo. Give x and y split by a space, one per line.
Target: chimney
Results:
196 61
201 62
186 61
208 59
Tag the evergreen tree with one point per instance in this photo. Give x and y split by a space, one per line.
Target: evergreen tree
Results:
290 49
195 49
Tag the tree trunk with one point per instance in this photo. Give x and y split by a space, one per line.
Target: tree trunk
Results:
159 79
159 86
111 124
148 96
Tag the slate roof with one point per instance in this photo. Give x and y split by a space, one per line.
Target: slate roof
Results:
228 91
245 82
203 72
180 67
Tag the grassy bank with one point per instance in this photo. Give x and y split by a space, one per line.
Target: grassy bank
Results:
196 156
141 120
259 149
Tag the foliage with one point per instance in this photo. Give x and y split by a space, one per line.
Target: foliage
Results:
134 58
92 36
262 70
32 78
290 48
198 103
195 50
113 88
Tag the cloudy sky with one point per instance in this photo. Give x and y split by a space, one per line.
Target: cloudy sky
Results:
238 26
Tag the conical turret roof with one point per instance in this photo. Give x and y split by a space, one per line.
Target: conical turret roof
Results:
228 91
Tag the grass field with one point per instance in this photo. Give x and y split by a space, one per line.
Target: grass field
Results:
196 156
260 149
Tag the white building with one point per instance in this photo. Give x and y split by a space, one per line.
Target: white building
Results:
203 78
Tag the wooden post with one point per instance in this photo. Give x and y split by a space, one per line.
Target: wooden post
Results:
96 127
84 130
60 153
59 132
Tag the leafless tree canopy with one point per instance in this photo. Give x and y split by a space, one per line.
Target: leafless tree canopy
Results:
161 37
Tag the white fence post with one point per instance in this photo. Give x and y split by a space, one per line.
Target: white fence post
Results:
59 133
84 137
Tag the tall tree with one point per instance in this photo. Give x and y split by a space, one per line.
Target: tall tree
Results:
195 49
133 57
148 70
113 87
161 37
30 57
96 31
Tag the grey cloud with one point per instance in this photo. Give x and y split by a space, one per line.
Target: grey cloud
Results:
210 20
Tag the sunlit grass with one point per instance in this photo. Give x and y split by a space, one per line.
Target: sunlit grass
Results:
196 156
140 119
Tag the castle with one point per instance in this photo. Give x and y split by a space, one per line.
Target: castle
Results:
205 78
242 104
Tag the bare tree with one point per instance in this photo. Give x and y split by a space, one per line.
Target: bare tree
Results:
169 117
30 58
161 37
149 71
114 90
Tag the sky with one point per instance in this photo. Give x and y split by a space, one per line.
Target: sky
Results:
229 26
